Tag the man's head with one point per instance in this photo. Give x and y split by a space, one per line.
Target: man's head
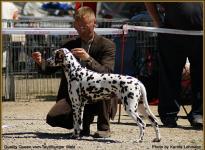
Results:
85 22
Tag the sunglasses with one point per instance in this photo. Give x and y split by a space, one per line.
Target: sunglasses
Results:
83 27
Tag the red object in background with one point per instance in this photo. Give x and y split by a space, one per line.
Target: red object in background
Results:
92 5
154 101
78 5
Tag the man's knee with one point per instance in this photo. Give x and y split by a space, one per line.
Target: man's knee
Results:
50 120
64 121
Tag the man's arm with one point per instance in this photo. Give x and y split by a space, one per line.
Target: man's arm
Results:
153 12
102 56
42 64
105 62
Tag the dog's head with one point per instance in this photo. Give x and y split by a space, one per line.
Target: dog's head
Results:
58 57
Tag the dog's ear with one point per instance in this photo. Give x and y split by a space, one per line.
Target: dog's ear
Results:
59 56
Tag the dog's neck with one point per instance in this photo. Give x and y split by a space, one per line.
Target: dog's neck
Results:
71 63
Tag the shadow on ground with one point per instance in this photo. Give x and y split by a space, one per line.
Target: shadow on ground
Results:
57 136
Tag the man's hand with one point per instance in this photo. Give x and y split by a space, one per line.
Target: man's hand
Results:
80 53
37 57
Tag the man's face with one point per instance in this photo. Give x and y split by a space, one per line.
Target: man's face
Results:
85 27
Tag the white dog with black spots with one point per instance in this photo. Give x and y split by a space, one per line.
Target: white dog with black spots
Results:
85 85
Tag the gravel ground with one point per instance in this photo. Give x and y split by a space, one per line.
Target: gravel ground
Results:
24 127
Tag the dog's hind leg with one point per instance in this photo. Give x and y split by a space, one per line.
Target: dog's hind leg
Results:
139 122
145 110
152 119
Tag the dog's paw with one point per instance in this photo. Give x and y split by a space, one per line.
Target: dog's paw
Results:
156 140
138 141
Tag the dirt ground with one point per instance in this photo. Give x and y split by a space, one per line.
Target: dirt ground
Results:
24 128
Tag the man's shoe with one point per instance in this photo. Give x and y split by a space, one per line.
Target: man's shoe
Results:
85 132
102 134
169 122
196 121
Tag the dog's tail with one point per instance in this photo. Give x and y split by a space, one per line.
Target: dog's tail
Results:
144 106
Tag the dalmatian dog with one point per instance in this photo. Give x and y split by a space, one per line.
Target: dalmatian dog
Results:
85 85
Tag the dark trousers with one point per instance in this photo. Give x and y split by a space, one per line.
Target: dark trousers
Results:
102 110
64 117
60 115
173 51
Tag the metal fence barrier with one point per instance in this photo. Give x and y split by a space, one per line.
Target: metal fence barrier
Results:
21 80
58 22
135 55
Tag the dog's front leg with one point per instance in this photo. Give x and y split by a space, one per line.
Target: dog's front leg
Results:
77 119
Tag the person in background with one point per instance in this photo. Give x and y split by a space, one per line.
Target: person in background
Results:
173 52
9 11
95 53
34 9
58 8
